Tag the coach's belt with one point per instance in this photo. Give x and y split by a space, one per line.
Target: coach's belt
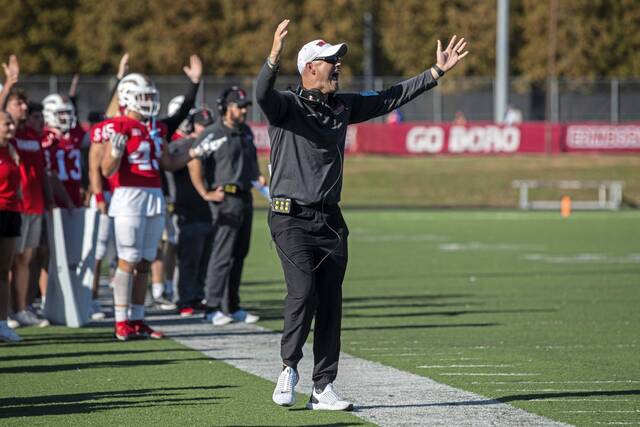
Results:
281 205
231 188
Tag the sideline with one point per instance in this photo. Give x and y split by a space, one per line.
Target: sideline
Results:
381 394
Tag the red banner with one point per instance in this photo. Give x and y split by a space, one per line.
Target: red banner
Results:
480 138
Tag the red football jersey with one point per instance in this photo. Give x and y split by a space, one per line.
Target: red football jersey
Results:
139 166
62 155
99 134
9 181
27 143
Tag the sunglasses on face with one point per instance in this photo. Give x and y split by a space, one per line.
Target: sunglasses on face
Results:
330 59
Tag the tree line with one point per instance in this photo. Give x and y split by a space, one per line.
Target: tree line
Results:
564 38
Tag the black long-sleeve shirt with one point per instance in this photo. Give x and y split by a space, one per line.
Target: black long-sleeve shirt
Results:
308 137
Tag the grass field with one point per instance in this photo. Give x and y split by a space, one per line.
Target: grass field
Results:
535 310
475 180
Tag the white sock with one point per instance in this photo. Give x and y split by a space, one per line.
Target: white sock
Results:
157 289
121 313
137 312
121 294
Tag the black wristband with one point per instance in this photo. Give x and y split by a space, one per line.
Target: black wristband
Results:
272 65
438 70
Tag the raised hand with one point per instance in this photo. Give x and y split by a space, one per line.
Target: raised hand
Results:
73 89
123 67
194 69
454 52
278 41
11 71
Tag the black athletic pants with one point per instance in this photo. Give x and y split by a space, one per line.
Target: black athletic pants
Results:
314 260
233 217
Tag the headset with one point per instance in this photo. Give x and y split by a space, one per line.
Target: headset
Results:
222 100
313 95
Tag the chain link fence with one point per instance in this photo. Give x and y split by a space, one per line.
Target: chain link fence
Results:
562 100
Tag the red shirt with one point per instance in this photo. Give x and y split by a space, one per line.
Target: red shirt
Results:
139 166
9 181
32 176
99 134
62 155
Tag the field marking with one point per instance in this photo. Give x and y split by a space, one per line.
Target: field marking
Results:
480 246
465 366
584 258
490 374
366 238
383 395
559 382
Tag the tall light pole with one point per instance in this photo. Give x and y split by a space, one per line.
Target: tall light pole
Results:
501 89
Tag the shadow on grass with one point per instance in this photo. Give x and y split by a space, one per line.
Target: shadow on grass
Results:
91 402
43 369
429 326
446 313
511 398
104 353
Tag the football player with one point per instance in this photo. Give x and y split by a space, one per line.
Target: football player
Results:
132 159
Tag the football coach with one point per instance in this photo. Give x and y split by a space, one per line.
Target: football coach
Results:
307 129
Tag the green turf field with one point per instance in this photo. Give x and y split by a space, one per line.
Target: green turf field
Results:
538 311
535 310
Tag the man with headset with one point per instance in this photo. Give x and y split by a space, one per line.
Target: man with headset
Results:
225 178
307 129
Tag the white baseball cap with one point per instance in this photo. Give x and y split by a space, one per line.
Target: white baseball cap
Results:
319 49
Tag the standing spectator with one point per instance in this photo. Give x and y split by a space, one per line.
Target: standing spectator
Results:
36 196
9 217
195 224
307 129
224 178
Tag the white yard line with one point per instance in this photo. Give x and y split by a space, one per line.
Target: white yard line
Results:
382 395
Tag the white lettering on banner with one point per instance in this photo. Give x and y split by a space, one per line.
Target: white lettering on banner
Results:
484 139
425 139
591 137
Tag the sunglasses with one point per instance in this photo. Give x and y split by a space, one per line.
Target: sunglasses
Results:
330 59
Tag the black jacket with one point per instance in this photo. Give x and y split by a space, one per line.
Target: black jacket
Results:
308 137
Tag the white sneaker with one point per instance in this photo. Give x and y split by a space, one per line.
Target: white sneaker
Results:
244 316
328 400
29 318
96 310
285 392
7 334
13 323
219 318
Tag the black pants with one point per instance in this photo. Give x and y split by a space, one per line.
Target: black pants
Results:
312 246
194 250
233 218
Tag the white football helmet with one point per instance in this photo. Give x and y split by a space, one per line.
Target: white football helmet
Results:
59 113
137 93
